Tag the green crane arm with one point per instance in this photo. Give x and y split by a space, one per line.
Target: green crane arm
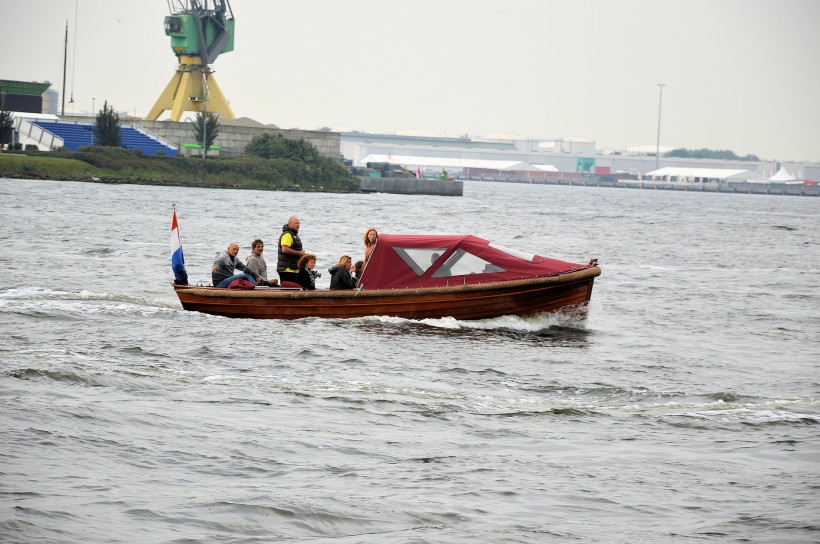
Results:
201 29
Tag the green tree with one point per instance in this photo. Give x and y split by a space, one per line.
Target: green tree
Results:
267 146
302 150
276 146
6 125
720 154
298 161
205 130
107 127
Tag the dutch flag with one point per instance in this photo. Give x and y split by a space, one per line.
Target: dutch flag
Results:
177 260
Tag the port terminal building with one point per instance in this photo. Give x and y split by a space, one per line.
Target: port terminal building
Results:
503 157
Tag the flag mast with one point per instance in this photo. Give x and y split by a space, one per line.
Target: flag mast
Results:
177 258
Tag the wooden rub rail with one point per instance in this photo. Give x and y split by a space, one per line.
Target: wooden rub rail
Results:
585 273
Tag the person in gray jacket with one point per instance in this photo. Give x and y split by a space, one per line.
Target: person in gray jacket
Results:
257 265
226 262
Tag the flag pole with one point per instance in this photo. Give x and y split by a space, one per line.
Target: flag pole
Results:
174 206
178 266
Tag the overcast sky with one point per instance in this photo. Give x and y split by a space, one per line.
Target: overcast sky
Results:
740 74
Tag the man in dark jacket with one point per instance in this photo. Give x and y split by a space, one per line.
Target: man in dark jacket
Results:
222 273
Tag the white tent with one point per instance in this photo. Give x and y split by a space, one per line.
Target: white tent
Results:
782 175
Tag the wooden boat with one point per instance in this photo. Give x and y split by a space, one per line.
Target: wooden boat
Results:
419 277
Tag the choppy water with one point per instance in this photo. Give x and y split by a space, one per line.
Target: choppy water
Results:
684 409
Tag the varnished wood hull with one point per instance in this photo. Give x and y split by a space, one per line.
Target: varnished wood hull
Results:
516 297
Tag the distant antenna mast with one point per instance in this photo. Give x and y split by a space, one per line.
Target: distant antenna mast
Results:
74 52
658 143
200 31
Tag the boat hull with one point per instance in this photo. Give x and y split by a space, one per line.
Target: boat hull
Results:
481 301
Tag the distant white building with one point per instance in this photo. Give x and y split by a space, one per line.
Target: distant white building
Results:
648 149
568 144
568 154
454 163
697 175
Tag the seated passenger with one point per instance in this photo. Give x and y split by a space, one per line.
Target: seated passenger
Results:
340 274
441 271
222 273
357 271
307 275
257 265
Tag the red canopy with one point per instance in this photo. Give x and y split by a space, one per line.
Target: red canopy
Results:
416 260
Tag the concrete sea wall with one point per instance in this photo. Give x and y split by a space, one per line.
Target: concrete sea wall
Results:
411 186
232 139
734 187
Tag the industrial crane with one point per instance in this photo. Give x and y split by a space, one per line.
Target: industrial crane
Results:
200 31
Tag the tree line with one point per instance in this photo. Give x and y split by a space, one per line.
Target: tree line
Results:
721 154
271 161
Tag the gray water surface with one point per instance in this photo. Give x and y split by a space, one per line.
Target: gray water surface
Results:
684 409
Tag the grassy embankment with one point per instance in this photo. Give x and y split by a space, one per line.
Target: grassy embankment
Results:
117 165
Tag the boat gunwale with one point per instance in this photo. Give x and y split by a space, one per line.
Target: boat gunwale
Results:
581 274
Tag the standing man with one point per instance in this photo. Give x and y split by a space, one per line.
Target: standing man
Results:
290 249
222 273
257 265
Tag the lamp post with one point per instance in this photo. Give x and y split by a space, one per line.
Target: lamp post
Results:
658 143
205 114
204 129
93 116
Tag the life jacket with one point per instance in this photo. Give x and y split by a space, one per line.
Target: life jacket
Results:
285 260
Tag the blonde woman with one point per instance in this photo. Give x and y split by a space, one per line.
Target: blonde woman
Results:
340 274
370 238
